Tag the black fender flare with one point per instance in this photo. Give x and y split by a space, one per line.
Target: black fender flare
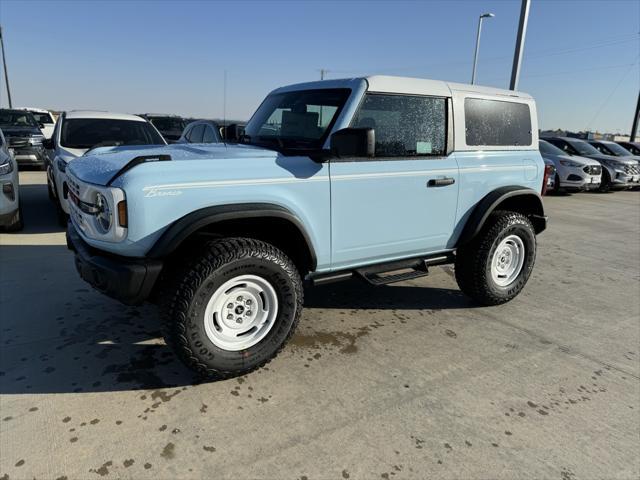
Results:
182 228
524 200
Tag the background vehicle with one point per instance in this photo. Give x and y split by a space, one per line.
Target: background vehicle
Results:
550 176
573 173
24 137
612 148
170 126
201 131
10 212
617 172
633 147
79 131
45 120
332 179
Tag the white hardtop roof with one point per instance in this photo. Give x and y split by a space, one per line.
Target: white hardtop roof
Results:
102 114
392 84
33 109
407 85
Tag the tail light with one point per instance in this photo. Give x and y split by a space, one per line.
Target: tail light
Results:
548 171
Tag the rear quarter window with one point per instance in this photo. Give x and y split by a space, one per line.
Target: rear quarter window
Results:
497 123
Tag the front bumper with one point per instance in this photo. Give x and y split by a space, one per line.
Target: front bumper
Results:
129 280
30 156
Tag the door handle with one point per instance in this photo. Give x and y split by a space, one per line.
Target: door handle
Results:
441 182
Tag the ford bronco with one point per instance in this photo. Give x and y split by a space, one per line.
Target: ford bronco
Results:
379 178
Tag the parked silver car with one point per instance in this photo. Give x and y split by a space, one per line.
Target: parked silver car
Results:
10 213
617 172
573 173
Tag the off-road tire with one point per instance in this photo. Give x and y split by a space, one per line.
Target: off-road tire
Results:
188 294
473 261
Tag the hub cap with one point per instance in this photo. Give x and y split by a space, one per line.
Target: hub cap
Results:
241 312
507 261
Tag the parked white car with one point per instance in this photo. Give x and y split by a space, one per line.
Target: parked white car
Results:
78 132
45 120
573 173
10 213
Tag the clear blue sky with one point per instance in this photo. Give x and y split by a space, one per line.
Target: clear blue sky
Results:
581 57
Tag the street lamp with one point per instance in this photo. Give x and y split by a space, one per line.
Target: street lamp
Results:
475 57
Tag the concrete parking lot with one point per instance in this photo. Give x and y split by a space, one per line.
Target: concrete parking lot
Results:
404 381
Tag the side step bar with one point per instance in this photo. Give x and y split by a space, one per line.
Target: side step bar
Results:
389 272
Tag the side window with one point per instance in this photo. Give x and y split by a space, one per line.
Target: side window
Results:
209 135
405 126
196 133
497 123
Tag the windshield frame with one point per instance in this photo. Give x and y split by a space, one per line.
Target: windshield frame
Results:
279 143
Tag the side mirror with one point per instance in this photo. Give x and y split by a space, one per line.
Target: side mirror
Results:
48 143
231 132
41 126
354 142
12 152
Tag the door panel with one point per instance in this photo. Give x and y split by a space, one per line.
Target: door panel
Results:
385 209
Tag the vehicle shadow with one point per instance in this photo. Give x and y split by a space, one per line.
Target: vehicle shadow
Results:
39 213
357 294
57 335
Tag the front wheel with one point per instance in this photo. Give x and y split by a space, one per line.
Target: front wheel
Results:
496 265
235 307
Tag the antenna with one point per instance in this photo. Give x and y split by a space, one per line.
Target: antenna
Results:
224 101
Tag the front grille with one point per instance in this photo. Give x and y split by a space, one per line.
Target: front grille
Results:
17 142
631 170
574 178
593 169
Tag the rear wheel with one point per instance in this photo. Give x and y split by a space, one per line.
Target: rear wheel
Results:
496 265
234 307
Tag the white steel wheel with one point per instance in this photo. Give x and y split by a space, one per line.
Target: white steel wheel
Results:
508 260
241 312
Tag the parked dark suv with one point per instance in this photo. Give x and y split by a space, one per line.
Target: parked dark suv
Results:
170 126
24 137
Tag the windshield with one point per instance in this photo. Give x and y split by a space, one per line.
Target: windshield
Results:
101 132
617 150
546 147
14 118
584 148
43 118
167 124
296 119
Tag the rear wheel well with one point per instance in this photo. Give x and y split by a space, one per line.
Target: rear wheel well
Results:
528 205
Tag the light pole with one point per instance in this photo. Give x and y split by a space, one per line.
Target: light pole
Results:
4 61
475 57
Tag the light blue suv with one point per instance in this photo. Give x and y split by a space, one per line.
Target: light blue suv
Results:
378 178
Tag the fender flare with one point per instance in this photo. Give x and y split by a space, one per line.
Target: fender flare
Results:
182 228
531 203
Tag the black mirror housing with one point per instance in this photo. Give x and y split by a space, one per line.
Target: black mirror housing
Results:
232 132
48 143
354 142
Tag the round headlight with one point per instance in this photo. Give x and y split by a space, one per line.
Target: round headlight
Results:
104 215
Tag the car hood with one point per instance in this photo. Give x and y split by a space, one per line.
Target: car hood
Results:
611 158
100 166
20 131
571 158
